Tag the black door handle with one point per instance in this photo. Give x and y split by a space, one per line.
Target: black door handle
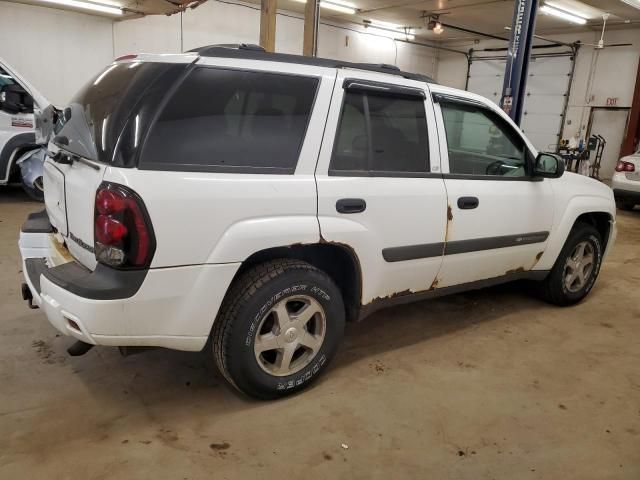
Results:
351 205
468 203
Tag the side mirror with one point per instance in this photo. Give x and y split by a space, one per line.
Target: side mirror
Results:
548 165
15 99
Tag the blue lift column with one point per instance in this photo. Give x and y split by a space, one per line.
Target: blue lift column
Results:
515 75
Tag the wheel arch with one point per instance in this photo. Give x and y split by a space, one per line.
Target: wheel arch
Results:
14 147
337 260
601 221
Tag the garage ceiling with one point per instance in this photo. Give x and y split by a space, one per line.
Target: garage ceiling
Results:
488 16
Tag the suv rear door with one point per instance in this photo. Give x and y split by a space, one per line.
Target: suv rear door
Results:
379 185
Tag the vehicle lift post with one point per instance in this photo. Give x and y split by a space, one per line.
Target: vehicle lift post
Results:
516 71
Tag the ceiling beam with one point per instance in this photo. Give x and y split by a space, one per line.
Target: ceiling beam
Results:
268 24
311 22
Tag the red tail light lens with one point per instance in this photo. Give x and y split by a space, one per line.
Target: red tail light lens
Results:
625 167
123 234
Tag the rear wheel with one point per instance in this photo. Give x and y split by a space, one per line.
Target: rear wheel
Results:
278 329
576 269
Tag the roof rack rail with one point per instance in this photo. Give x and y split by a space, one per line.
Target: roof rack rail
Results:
237 46
255 52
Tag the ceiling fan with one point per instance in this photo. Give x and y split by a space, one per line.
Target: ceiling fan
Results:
601 45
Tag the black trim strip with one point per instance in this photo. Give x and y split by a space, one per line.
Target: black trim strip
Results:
413 252
430 250
491 243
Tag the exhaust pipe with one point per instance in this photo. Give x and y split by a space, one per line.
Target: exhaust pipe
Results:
79 348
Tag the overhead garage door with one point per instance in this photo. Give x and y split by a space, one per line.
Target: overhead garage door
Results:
547 87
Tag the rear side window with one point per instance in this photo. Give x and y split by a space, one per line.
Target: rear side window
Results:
380 134
101 109
232 121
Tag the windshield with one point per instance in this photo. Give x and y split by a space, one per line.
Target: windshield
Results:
98 114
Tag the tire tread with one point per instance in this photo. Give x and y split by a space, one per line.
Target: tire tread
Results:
241 291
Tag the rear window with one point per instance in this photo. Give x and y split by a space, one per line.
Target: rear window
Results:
100 111
232 121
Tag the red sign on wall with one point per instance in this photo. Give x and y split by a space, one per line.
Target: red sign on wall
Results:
612 101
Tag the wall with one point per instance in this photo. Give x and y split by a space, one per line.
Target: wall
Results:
222 22
599 74
56 51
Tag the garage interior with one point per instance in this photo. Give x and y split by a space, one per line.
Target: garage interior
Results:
490 384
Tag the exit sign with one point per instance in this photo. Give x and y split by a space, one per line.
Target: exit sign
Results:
612 101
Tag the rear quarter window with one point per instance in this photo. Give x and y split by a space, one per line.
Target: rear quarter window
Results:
232 121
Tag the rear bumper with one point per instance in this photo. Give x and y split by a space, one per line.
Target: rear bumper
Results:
168 307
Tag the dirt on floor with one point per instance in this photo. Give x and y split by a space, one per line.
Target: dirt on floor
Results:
492 384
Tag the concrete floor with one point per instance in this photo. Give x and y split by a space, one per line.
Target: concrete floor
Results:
486 385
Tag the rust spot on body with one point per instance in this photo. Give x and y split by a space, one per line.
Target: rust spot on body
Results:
434 285
539 256
449 220
515 270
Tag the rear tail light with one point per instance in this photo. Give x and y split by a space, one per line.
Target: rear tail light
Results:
123 234
625 167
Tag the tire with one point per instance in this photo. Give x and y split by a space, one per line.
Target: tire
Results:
35 191
624 204
251 349
561 287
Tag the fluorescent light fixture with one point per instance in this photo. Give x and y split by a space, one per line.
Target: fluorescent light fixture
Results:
389 30
106 2
336 6
633 3
569 17
574 7
341 7
86 6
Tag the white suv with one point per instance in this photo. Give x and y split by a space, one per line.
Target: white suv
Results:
253 202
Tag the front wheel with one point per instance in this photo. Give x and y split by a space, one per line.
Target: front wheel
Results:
278 328
576 269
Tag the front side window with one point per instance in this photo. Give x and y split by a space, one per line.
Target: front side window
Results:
481 143
380 133
231 120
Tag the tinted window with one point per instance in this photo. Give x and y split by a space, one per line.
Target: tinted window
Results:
381 134
100 111
232 120
482 143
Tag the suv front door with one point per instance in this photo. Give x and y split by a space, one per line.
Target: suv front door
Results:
380 191
500 216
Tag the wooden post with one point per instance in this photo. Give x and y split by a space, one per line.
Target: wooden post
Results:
268 24
311 21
